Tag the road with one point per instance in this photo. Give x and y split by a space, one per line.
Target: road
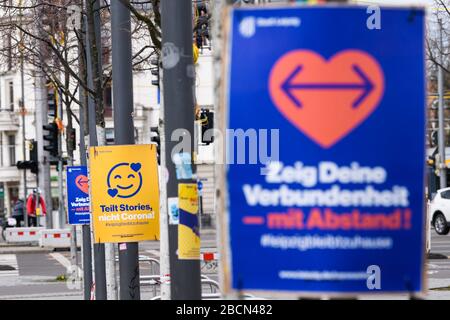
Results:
34 275
439 268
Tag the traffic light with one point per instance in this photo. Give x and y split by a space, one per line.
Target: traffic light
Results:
52 138
34 156
33 151
32 164
72 134
155 71
206 119
55 162
156 140
52 99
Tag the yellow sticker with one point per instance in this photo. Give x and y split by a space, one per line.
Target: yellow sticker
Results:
188 227
124 193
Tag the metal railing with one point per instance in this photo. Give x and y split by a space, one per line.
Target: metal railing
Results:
155 281
210 287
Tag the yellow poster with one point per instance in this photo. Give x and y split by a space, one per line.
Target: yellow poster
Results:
124 193
188 227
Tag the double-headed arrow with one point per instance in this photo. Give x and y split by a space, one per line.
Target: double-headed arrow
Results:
81 181
366 86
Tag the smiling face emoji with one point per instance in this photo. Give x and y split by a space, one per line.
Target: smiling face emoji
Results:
124 180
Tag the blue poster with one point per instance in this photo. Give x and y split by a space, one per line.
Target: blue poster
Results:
78 195
326 150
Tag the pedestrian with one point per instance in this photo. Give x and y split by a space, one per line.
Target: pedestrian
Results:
198 40
33 210
204 32
202 21
18 212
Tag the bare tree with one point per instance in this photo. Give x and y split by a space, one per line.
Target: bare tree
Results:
38 32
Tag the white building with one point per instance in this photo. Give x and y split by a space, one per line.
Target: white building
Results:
11 125
11 136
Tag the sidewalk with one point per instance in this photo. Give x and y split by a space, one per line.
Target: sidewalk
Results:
75 295
14 248
432 295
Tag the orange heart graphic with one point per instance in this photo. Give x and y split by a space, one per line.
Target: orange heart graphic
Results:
82 183
326 100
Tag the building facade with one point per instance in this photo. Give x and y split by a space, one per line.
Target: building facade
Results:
146 115
18 125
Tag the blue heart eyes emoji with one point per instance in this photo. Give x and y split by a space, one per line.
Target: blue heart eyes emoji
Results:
125 182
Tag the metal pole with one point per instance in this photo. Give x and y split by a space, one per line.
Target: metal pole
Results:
60 165
200 208
41 119
124 131
99 248
86 248
75 274
179 89
22 110
62 216
109 248
86 229
164 256
441 132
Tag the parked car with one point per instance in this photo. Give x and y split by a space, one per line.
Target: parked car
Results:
440 211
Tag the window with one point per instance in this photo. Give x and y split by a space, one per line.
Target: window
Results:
55 202
12 149
7 46
13 196
445 194
1 149
109 132
107 101
10 98
143 5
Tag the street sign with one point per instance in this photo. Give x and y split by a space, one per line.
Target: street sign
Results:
125 193
325 139
77 195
